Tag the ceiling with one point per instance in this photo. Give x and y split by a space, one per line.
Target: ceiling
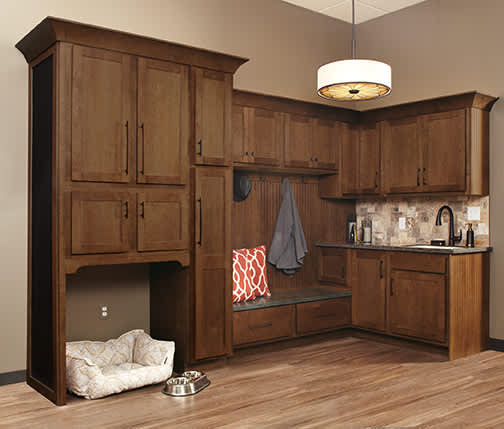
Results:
364 9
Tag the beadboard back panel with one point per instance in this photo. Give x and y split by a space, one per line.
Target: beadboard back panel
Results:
254 220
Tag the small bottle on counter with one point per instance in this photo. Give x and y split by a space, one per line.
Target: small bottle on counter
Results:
469 236
366 231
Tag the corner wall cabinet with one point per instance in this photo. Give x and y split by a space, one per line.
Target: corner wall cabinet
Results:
116 120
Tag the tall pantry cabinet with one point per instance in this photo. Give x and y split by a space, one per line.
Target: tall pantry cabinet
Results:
117 124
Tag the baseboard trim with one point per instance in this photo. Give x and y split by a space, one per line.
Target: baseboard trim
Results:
12 377
496 344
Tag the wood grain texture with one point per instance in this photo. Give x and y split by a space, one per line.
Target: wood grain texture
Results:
350 382
323 315
333 265
254 220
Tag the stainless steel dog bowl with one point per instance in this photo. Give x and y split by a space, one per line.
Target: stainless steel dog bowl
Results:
188 383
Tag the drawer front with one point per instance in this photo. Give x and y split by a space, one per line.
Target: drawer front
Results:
261 325
410 261
322 315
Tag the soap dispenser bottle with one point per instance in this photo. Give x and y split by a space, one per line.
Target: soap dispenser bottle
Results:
469 236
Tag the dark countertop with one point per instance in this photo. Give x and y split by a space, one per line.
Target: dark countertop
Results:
291 296
460 250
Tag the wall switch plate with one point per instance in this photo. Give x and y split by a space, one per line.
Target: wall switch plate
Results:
402 223
103 312
473 213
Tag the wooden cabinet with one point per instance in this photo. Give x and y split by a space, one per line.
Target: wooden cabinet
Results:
103 114
257 136
332 265
213 103
100 222
298 140
323 315
417 304
212 287
368 289
349 174
162 220
327 139
163 122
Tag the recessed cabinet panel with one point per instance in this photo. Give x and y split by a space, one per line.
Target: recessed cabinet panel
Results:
332 265
327 138
266 136
213 116
100 222
102 114
350 161
298 140
163 119
163 218
444 151
369 160
240 134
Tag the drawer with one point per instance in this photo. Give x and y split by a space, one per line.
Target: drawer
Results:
262 325
322 315
410 261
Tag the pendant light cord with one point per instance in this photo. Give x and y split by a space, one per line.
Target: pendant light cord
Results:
353 29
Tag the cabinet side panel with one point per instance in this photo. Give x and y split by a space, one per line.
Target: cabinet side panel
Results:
41 355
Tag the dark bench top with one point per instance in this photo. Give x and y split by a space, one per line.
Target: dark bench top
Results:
291 296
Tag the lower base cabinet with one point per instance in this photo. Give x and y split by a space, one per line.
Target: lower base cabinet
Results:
322 315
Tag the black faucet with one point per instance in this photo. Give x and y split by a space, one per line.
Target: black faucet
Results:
452 238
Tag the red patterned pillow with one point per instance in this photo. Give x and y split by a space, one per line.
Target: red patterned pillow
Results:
242 285
257 269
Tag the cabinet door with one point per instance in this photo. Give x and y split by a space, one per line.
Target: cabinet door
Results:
417 305
368 289
163 118
298 140
444 151
350 161
402 158
213 288
103 99
240 134
213 116
369 160
100 222
265 136
163 220
327 138
332 265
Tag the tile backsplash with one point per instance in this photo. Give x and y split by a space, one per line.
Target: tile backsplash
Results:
419 217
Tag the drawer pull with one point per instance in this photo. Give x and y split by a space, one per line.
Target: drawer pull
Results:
323 316
381 269
391 287
264 325
343 272
142 170
127 147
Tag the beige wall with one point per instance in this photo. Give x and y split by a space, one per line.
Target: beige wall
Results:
284 43
443 47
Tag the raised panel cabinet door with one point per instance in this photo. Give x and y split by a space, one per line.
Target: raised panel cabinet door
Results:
298 140
327 140
100 222
368 289
369 160
350 160
240 134
213 258
417 305
444 151
266 136
402 158
332 265
163 122
163 220
103 102
213 116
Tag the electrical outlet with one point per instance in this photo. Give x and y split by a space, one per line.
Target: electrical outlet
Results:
103 312
402 223
473 213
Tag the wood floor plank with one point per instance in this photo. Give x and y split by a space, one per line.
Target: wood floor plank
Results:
335 382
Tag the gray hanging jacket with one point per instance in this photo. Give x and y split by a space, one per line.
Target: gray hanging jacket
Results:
288 246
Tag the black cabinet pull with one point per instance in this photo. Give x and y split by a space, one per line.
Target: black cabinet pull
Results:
311 159
343 272
418 177
423 178
391 287
316 159
376 179
264 325
126 204
143 209
381 269
246 153
200 241
127 146
143 148
200 144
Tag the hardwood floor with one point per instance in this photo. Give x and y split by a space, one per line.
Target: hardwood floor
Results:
331 382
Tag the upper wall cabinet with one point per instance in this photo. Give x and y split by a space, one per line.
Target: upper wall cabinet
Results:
327 140
213 101
298 141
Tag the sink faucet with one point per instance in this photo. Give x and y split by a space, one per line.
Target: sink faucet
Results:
452 238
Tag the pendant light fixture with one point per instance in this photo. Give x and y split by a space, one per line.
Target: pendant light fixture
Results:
353 80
